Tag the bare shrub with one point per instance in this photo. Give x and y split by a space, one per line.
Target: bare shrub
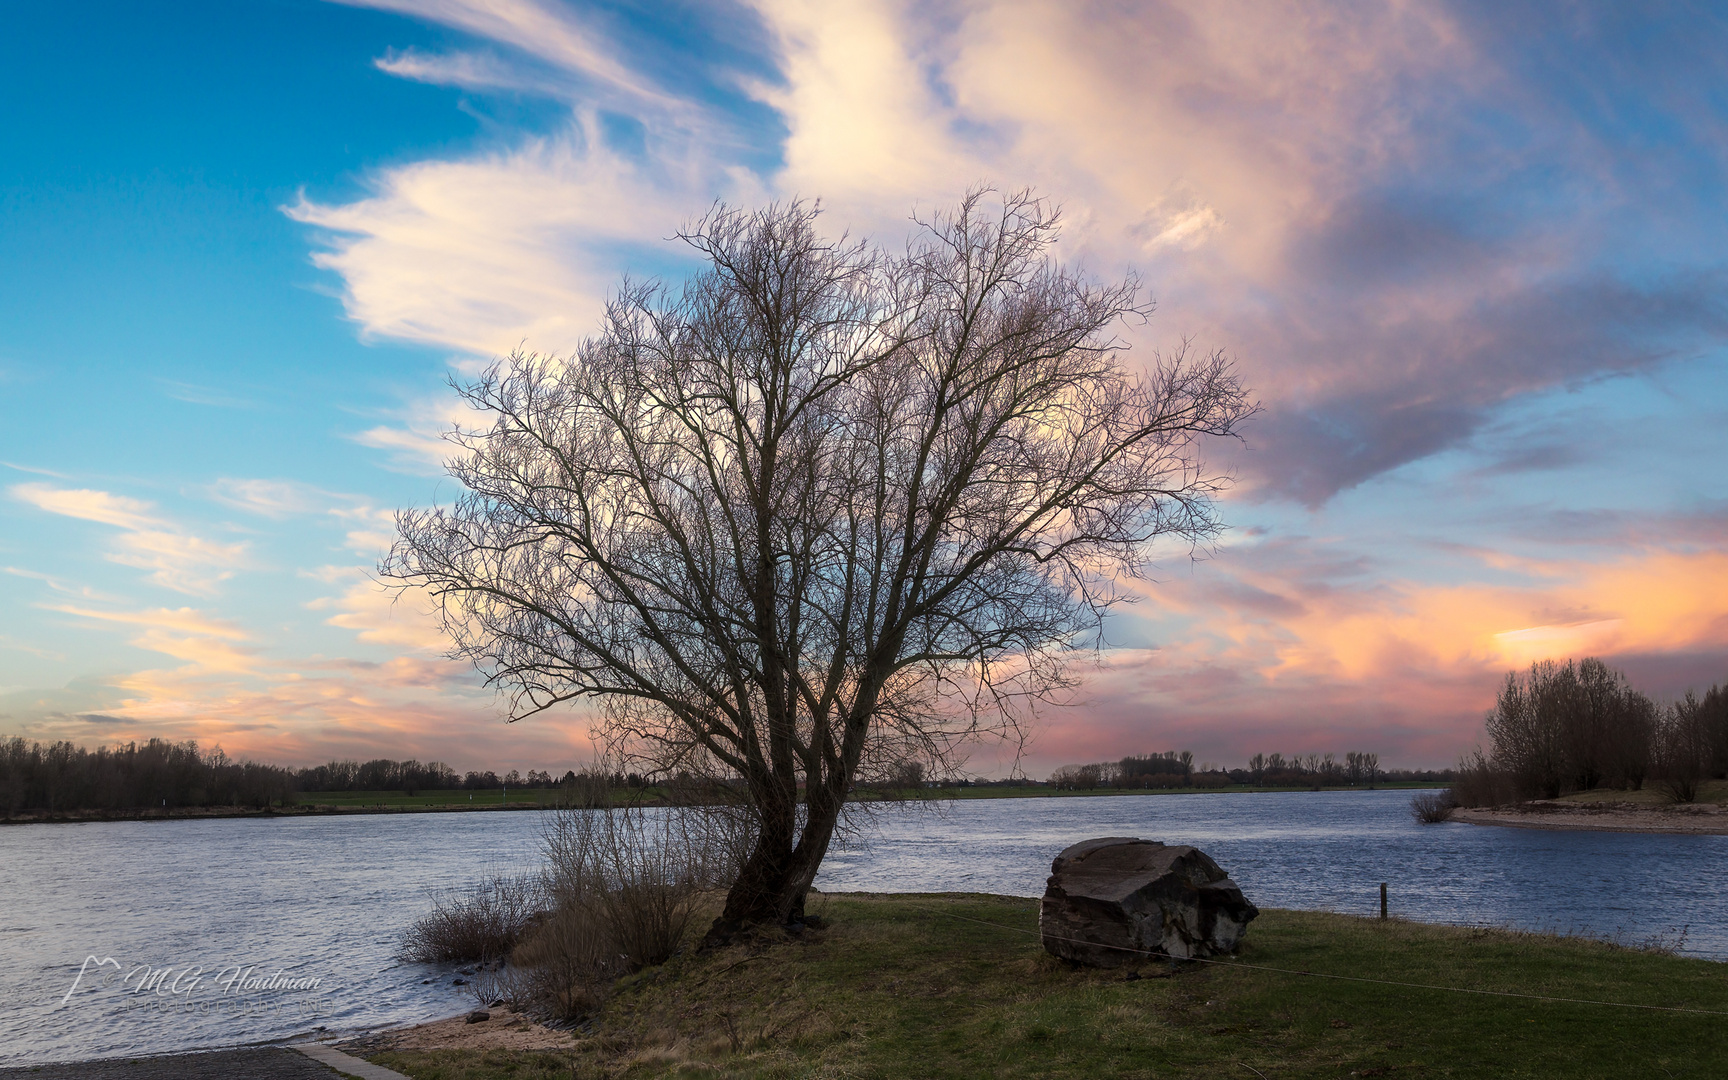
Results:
1481 783
1432 807
563 965
625 883
482 923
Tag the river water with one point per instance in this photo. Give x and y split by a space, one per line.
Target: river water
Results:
194 934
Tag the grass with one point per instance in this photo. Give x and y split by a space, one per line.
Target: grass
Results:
493 799
1005 792
1709 791
897 986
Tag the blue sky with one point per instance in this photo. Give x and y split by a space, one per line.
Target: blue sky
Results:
1471 261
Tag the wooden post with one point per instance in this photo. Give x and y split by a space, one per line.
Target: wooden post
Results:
1382 899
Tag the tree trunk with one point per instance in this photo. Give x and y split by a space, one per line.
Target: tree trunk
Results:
771 888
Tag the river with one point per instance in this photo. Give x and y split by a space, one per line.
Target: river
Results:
250 929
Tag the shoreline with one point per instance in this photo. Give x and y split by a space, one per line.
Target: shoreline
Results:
198 813
504 1029
201 813
691 1009
1696 819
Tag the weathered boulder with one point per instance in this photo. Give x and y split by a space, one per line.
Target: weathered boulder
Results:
1113 900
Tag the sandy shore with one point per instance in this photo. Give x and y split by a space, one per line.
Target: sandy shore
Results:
506 1030
1703 819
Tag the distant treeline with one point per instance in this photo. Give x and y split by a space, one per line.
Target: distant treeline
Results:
1174 769
382 774
165 775
157 773
1580 726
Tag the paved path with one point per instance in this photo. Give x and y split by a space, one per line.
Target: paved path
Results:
259 1063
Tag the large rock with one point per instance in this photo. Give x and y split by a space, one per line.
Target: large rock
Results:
1114 900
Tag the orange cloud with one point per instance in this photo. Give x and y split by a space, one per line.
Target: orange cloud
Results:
1257 657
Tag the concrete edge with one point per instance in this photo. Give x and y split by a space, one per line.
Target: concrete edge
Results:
353 1066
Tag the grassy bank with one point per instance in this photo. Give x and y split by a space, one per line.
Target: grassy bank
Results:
452 799
383 802
1006 792
479 800
1709 791
958 986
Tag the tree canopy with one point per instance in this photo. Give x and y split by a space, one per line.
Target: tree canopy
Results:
821 508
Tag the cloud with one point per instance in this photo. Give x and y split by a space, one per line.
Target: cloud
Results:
58 585
516 247
194 394
303 711
384 615
543 31
204 642
176 559
1393 222
412 448
9 642
270 498
87 505
1408 222
370 529
35 471
1287 646
472 71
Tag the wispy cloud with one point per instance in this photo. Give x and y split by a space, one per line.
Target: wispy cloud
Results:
205 643
417 447
545 31
1403 220
1319 189
89 505
382 615
475 71
194 394
58 585
35 471
175 558
271 498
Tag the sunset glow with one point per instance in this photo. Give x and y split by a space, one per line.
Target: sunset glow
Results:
1468 260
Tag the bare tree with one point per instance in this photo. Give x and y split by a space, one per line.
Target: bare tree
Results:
821 510
1682 746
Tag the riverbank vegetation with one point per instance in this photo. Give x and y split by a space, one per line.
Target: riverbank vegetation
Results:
959 986
1178 769
152 775
1561 729
63 778
65 781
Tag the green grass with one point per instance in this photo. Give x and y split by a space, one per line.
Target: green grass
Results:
1710 791
995 792
897 987
524 797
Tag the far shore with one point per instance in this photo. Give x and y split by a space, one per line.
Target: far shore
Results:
322 803
1704 819
199 813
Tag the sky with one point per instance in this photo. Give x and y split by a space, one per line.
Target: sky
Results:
1470 257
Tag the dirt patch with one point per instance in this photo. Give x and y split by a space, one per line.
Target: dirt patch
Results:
1602 817
506 1030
